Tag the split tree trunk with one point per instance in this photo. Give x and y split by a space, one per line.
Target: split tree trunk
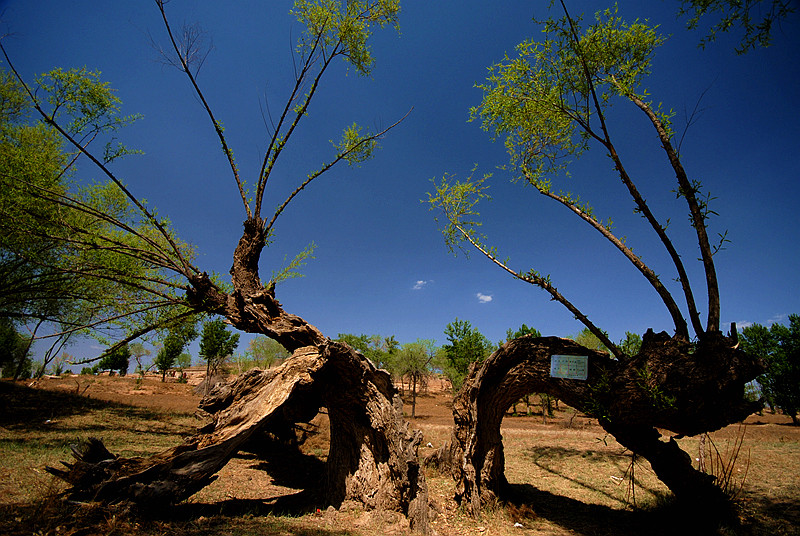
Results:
373 455
669 385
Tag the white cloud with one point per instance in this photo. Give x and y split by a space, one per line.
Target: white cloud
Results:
777 319
484 298
420 284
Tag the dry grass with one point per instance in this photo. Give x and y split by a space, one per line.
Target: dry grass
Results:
568 477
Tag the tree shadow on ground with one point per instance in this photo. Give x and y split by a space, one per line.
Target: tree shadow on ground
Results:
236 516
599 520
27 408
769 516
623 461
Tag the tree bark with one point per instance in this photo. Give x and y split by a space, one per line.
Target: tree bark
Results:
373 455
670 385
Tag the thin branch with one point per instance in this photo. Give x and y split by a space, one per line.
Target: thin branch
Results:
186 266
185 67
693 117
69 202
545 284
634 192
278 141
135 335
652 278
689 191
328 166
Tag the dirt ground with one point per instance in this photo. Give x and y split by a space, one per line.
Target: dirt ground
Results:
569 459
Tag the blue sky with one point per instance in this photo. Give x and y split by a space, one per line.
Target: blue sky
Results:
381 265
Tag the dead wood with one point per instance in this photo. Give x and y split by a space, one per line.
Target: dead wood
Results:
373 455
671 384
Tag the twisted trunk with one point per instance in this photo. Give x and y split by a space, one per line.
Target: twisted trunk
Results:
669 385
373 454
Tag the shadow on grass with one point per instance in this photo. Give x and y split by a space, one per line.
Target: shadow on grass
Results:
549 453
27 408
599 520
237 516
22 406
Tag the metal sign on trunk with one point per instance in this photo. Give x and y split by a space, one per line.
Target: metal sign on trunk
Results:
573 367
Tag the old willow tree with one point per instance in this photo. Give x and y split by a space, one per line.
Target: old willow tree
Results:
550 104
153 283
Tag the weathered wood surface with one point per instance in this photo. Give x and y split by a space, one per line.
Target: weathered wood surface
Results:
670 385
373 454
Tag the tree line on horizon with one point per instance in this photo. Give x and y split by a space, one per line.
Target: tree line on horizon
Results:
411 364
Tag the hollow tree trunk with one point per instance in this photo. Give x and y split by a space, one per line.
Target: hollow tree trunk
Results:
373 455
665 386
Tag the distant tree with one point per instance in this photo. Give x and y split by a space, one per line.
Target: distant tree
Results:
216 345
14 351
521 332
779 346
383 351
757 18
138 352
376 348
59 364
265 351
118 358
413 361
183 362
589 340
466 345
360 343
631 344
176 339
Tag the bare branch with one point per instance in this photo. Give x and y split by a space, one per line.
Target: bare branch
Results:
689 192
278 140
680 323
191 51
692 118
544 283
326 167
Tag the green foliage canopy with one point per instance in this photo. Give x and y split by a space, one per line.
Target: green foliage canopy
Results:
217 343
266 352
15 359
378 349
779 346
116 359
541 101
77 256
548 103
756 18
176 339
466 345
521 332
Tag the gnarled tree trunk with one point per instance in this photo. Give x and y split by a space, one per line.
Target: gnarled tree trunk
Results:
669 385
373 455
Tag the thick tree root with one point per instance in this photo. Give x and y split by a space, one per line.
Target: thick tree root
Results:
373 455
